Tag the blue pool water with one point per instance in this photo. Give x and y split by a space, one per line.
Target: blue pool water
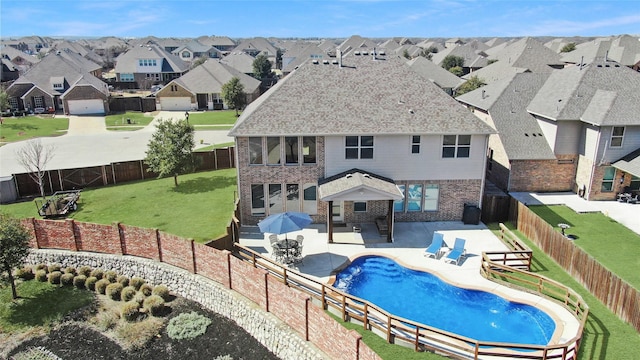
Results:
424 298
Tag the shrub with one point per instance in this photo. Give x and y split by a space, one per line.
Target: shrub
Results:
54 277
54 267
111 275
130 310
123 280
135 335
85 270
136 282
66 279
80 281
154 304
105 320
146 289
139 298
223 357
41 275
25 273
187 326
70 270
162 291
42 267
114 290
98 273
128 292
90 283
101 286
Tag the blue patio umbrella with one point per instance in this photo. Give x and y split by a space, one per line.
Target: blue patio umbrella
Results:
285 222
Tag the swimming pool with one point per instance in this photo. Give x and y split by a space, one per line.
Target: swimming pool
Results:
424 298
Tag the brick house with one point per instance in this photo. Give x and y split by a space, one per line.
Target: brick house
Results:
148 65
355 140
61 81
571 130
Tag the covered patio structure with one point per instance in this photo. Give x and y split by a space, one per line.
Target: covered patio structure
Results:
360 186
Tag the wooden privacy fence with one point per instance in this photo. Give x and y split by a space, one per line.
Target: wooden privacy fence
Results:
114 173
620 297
421 337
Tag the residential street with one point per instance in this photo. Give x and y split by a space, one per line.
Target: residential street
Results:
88 143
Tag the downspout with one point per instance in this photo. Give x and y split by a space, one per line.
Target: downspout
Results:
484 170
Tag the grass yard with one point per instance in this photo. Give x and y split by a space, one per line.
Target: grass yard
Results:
217 117
40 304
605 335
27 127
199 208
609 242
119 121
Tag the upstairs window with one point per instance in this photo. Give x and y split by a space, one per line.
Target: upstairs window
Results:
415 144
359 147
255 151
456 146
616 136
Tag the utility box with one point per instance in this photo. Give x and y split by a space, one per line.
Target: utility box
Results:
471 214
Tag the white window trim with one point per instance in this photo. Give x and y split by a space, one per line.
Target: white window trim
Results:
621 137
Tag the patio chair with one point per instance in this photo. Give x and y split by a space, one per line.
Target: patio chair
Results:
436 245
278 253
297 257
458 252
299 240
273 238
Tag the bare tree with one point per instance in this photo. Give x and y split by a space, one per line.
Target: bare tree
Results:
34 156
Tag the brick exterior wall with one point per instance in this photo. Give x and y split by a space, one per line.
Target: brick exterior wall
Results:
292 307
596 192
544 175
139 242
181 92
29 103
275 174
85 93
97 238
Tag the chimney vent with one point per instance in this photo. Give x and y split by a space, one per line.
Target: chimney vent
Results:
483 94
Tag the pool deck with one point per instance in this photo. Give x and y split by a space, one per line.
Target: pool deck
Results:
410 241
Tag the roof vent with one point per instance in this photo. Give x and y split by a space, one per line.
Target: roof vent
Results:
325 62
366 176
365 53
349 176
334 62
356 53
314 61
525 134
411 111
382 53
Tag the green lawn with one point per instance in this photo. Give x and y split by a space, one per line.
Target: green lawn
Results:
119 121
215 146
199 208
28 127
605 335
609 242
217 117
39 304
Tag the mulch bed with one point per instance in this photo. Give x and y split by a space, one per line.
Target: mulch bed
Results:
74 339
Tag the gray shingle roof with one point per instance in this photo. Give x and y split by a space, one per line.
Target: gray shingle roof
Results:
377 187
128 62
623 49
209 77
432 72
239 61
630 163
365 96
601 93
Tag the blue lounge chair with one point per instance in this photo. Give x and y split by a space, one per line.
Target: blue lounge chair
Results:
458 252
436 245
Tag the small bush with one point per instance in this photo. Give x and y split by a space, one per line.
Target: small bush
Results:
66 279
90 283
41 267
223 357
101 286
187 326
146 289
35 353
113 291
128 293
25 273
123 280
98 273
41 275
85 270
154 305
70 270
135 335
111 275
105 320
54 277
54 267
162 291
136 282
130 310
80 281
139 298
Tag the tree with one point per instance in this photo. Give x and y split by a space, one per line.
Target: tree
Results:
169 151
261 67
473 83
568 48
233 94
4 100
452 61
457 71
14 247
34 156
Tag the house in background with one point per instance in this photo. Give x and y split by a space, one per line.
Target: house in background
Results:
359 140
239 61
58 83
148 65
575 129
623 49
436 74
194 50
201 88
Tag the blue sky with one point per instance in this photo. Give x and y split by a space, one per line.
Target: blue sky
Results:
318 18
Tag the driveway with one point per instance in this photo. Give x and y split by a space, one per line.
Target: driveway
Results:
88 143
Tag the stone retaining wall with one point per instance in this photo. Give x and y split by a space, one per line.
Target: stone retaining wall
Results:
275 335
